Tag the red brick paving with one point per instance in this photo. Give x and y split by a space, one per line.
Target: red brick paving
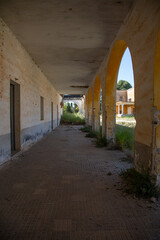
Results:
59 189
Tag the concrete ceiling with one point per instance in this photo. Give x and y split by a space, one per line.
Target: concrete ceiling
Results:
68 39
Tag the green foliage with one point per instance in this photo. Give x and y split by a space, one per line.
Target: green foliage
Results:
76 108
128 117
65 108
140 184
86 129
125 137
123 85
91 134
72 118
101 141
70 108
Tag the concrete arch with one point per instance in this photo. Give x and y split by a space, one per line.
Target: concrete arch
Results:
110 89
90 106
156 126
79 104
96 103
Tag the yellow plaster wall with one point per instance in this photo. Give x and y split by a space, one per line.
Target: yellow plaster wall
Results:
90 106
139 32
96 103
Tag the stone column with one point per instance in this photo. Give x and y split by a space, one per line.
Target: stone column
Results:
122 108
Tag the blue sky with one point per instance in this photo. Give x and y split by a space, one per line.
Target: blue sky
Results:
126 68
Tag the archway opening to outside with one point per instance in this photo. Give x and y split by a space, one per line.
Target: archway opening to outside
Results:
121 102
125 103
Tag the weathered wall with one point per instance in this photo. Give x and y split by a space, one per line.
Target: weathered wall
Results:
139 32
121 95
17 65
130 94
96 104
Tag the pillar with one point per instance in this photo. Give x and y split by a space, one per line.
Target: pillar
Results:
122 108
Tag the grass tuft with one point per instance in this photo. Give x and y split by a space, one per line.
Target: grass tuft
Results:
101 142
125 137
72 118
86 129
91 134
139 184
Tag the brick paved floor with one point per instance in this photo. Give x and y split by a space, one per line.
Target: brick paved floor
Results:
60 190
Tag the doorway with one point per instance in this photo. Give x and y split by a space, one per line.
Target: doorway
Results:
15 117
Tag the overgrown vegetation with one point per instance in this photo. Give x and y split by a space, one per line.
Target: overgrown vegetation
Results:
70 108
86 129
91 134
72 118
125 137
139 184
126 117
100 141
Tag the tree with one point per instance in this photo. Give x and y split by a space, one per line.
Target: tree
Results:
123 85
68 107
76 108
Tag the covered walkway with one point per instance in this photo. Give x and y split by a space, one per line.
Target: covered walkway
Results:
59 189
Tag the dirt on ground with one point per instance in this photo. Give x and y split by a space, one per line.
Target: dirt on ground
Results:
66 188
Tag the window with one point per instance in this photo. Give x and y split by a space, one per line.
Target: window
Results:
120 98
41 108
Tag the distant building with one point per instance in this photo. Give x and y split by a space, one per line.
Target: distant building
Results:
125 103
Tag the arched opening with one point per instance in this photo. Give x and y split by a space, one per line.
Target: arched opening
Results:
156 132
90 107
121 102
111 83
125 103
96 108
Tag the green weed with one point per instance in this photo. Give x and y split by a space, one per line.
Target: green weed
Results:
140 184
86 129
72 118
101 142
91 134
125 137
